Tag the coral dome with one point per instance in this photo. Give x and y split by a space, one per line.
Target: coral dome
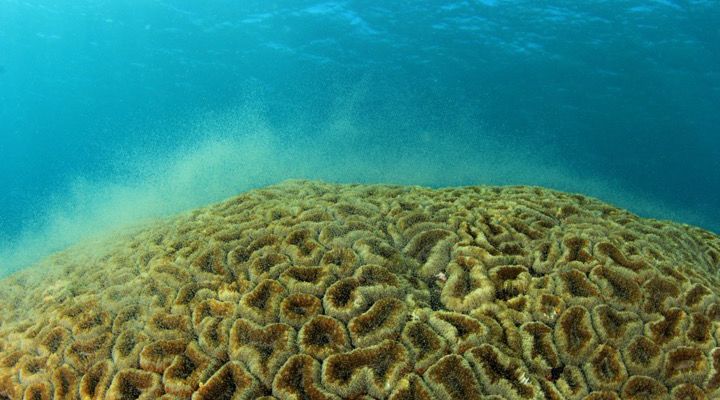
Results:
308 290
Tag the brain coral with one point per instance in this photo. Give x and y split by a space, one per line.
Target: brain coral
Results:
308 290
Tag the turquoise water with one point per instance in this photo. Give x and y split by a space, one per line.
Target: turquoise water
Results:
113 112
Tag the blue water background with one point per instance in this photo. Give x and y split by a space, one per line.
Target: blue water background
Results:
115 111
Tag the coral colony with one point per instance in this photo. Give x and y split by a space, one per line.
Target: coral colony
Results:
307 290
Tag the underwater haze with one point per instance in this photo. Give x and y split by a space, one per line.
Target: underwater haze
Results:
114 112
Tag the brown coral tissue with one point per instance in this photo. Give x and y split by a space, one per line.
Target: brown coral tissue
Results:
308 290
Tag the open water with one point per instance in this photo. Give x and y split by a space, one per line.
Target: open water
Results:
114 112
